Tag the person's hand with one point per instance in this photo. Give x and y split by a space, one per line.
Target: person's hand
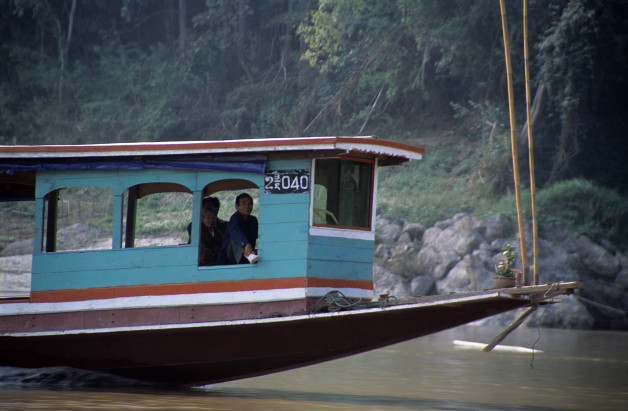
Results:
248 249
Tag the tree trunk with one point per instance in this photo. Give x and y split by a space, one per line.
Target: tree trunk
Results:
567 145
182 25
240 40
285 48
64 49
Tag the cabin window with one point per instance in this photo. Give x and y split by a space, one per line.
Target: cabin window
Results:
156 214
78 218
17 232
343 193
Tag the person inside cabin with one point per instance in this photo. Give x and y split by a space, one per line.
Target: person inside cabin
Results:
238 245
211 238
210 202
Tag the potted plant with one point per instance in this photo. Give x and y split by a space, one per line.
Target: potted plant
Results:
505 275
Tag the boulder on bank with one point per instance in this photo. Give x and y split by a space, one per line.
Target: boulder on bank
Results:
460 254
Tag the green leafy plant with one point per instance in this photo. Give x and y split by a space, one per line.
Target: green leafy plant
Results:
504 269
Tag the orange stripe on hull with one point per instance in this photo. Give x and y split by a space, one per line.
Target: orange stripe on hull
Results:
192 288
335 283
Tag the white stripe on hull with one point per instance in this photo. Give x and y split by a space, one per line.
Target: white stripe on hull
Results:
156 301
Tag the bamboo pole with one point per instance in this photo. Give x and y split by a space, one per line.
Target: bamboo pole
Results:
535 245
508 330
513 143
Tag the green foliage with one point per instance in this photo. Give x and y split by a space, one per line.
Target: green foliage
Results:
567 52
447 182
586 208
247 69
135 95
436 188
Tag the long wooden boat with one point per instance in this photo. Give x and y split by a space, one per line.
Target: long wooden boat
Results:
153 313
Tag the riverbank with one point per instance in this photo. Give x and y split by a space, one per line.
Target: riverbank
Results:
460 254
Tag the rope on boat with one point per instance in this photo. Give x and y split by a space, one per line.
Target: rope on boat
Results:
601 306
335 301
538 338
551 287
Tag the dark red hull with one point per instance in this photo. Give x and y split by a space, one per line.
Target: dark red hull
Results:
195 354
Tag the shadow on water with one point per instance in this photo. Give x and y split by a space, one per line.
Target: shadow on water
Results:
63 377
366 401
89 385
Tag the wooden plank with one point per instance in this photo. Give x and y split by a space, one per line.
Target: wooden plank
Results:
79 261
330 253
120 180
282 250
166 274
296 231
299 199
288 164
340 270
280 214
342 242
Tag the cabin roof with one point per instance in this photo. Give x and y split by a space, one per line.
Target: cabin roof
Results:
19 163
370 146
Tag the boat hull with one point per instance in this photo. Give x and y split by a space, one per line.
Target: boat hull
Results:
202 353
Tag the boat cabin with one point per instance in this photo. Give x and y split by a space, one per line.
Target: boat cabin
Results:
314 199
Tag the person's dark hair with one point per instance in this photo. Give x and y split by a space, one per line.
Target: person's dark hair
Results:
211 202
237 201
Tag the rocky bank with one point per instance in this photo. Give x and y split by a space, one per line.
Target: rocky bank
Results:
460 254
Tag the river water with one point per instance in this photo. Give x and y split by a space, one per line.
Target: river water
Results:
568 370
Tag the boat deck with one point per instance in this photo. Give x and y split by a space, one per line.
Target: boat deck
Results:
537 293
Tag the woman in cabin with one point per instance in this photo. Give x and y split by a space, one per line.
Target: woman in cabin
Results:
211 238
210 202
238 245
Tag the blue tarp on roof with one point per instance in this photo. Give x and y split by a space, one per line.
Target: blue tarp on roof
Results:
241 165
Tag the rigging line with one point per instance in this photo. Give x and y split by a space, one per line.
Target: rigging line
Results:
601 306
538 338
372 108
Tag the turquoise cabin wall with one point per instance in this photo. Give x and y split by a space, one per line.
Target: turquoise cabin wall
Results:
282 244
284 225
340 258
285 246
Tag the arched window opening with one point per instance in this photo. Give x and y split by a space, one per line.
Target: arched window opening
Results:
221 196
78 218
156 214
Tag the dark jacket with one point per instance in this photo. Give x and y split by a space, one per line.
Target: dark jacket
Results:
210 246
240 232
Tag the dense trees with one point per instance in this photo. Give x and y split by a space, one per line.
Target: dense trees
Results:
77 71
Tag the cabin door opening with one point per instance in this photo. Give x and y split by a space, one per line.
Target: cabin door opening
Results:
343 193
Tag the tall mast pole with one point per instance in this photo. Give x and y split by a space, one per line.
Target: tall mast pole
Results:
535 245
513 143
